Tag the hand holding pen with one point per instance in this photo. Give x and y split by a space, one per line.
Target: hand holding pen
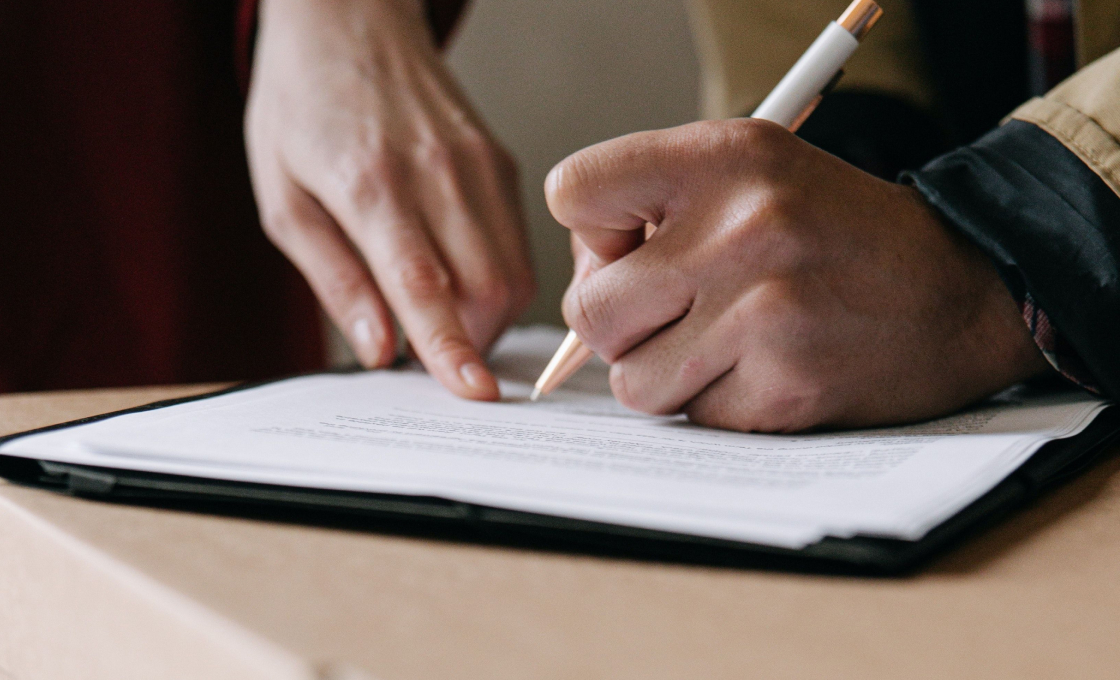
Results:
789 104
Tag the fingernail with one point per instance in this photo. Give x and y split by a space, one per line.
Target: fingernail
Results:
474 375
552 181
368 340
361 332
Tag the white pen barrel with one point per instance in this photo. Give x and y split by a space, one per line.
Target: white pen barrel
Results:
808 77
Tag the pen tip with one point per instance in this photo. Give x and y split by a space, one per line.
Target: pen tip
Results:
536 394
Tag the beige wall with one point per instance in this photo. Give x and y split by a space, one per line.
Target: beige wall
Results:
553 77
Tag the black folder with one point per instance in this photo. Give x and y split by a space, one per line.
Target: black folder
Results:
1054 463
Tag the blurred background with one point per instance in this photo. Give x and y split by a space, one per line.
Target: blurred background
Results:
612 68
554 77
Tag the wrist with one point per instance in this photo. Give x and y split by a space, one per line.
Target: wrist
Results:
999 342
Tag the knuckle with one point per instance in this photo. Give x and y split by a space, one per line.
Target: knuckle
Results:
487 153
757 135
769 238
343 285
791 408
363 174
492 291
435 156
747 134
775 206
633 391
422 278
277 222
622 389
719 410
777 408
476 143
785 313
443 344
753 148
740 239
281 217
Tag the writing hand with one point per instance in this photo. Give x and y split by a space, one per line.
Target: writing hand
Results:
783 290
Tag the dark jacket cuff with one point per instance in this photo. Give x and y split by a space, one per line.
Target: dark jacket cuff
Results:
1050 225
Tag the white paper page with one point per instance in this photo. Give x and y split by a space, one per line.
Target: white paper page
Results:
579 453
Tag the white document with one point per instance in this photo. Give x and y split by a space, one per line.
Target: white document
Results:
578 453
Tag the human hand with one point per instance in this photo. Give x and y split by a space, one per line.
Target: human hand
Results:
375 177
784 289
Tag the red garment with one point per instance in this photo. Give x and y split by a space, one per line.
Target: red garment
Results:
130 251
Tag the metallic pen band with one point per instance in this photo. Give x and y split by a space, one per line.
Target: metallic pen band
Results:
860 16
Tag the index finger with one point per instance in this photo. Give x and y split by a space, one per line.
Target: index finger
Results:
418 285
392 236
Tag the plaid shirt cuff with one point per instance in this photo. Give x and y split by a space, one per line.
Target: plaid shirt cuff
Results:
1054 347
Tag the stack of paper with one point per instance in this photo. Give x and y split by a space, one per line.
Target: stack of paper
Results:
578 453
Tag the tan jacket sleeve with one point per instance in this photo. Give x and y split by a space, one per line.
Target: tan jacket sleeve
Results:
1083 113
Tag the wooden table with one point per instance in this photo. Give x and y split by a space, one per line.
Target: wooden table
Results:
98 590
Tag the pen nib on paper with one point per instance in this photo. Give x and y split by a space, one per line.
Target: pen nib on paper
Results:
536 394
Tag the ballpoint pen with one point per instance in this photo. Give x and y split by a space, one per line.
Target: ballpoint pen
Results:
788 104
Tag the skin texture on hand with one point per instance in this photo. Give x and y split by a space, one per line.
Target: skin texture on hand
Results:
378 181
783 290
